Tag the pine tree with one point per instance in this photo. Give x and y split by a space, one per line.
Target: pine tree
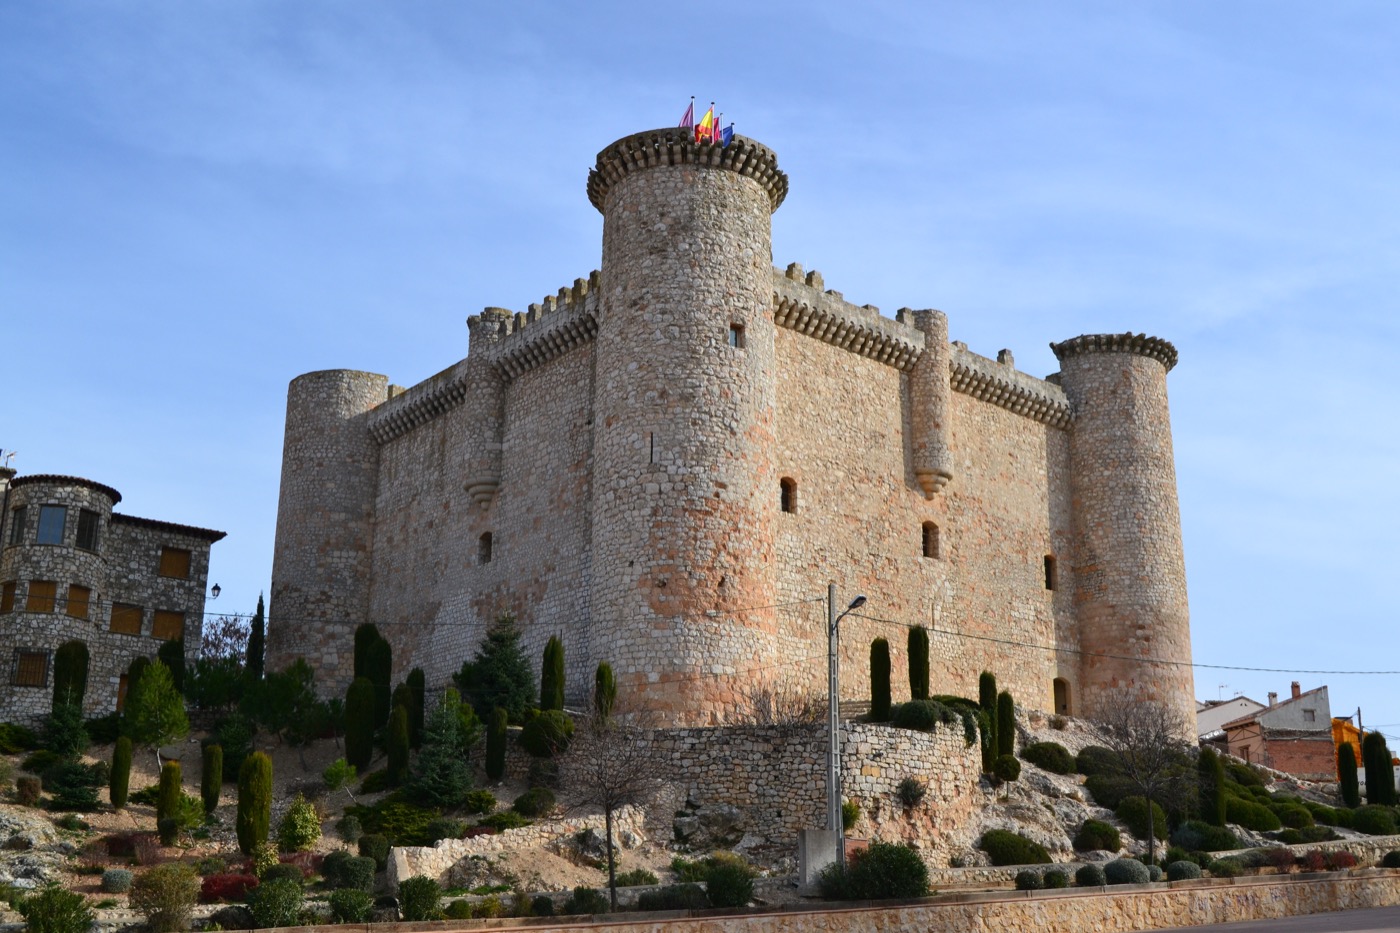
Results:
1346 775
552 675
496 744
172 655
359 723
254 801
418 684
70 673
918 663
604 690
500 674
257 638
155 710
443 775
120 779
1211 773
879 680
1006 724
211 777
397 746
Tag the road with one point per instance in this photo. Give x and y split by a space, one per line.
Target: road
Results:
1376 920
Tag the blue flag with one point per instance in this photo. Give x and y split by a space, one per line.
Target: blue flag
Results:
726 135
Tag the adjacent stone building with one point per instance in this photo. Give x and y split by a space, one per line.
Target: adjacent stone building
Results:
1293 736
72 569
667 462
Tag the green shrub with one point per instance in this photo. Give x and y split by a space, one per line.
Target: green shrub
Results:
403 823
1090 876
375 846
1251 815
537 801
74 785
479 801
445 827
419 899
283 871
496 743
254 801
168 796
505 819
1095 835
548 734
1210 777
1317 834
1242 774
1126 871
1109 790
300 828
64 732
923 715
398 746
1095 759
1374 820
376 782
1225 868
1052 756
70 674
119 777
850 815
1056 878
27 789
911 792
235 735
500 674
1008 848
349 905
1154 872
729 884
1347 779
263 857
1390 860
880 680
604 689
881 871
358 873
211 777
1133 812
1006 724
688 896
1006 767
359 723
585 900
41 761
987 738
15 739
1183 871
1293 815
552 675
339 774
1028 879
350 829
166 894
333 867
1199 836
1344 818
918 663
637 876
461 909
1289 837
55 910
116 881
276 903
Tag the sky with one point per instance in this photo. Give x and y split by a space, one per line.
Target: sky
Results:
200 201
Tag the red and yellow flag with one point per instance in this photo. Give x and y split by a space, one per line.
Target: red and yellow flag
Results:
705 129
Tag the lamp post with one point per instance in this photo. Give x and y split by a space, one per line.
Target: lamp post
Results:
833 699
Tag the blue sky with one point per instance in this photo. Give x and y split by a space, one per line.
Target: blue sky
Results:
199 201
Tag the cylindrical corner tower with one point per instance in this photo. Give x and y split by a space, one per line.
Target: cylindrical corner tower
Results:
929 392
685 491
485 401
325 523
1129 568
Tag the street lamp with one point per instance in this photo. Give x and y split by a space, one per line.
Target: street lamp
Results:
214 593
833 700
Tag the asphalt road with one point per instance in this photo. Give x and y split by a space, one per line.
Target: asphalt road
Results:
1376 920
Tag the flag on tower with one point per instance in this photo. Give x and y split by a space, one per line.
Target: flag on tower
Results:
705 131
688 121
727 135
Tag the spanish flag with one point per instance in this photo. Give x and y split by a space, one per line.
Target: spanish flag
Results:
705 129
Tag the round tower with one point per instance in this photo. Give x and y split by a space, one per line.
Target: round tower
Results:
1128 566
685 489
325 523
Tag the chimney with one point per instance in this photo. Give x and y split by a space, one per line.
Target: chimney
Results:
1273 698
1297 691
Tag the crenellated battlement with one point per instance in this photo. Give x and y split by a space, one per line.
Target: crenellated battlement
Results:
1151 347
677 146
549 329
420 404
800 303
1003 385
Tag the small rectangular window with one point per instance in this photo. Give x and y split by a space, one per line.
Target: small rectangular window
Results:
78 599
43 594
17 521
121 693
175 562
51 521
736 336
7 597
1309 715
168 625
31 668
87 530
1050 580
126 619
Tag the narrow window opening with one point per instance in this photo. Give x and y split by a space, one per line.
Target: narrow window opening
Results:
483 548
17 517
1049 572
789 494
87 530
930 540
51 521
1062 704
651 447
736 336
7 597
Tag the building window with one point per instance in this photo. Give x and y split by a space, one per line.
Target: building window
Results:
126 619
79 598
168 625
483 548
51 519
7 597
43 594
175 562
1309 715
31 668
1062 696
17 517
736 336
87 530
1049 572
930 539
121 693
788 486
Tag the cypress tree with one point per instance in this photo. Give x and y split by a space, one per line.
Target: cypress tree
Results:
552 675
257 640
398 746
604 689
918 663
987 699
403 696
381 672
879 680
988 740
1006 724
418 684
70 673
1211 775
119 780
1380 773
359 723
168 802
211 777
496 744
1346 775
366 634
172 655
254 801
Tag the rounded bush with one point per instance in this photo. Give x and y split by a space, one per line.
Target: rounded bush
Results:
1154 872
1344 818
542 905
1390 860
445 827
1126 871
922 715
300 827
1252 815
349 905
1051 756
1095 759
1374 821
1006 767
283 871
350 829
1028 879
375 846
1056 878
358 873
729 884
674 897
419 898
548 734
1225 868
537 801
586 900
1133 812
1090 876
1108 790
1293 815
54 909
276 903
886 870
1095 835
1199 836
116 881
1183 871
1007 848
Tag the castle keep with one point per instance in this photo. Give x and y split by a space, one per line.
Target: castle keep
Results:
667 462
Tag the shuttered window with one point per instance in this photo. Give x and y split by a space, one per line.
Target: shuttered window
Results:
168 625
7 597
175 562
42 596
126 619
31 668
17 522
78 599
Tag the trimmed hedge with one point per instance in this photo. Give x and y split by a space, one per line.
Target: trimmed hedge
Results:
1183 871
1374 820
1133 812
1252 815
1095 759
1008 848
1108 790
1090 876
1200 836
1126 871
1095 835
1052 756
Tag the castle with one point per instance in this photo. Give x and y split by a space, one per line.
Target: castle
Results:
666 464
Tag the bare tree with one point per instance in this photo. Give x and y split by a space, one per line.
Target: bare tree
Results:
764 702
1151 750
611 763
